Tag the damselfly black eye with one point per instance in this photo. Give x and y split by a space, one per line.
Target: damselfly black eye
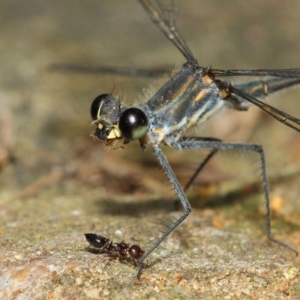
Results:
133 123
97 104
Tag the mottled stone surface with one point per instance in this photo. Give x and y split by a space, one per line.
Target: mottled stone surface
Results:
56 183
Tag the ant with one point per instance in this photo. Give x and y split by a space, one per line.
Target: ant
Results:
121 251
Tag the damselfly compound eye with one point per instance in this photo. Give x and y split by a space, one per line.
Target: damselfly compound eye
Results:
133 123
97 105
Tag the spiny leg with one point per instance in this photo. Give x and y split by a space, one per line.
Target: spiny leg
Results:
198 143
203 164
199 169
183 200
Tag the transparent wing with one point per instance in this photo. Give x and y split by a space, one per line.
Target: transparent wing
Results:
285 73
274 112
163 14
260 89
123 71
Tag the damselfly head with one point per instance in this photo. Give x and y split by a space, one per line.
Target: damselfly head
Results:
105 113
115 122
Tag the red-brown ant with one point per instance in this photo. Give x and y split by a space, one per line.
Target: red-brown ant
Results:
121 251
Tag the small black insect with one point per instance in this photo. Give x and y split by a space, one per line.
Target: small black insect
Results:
120 251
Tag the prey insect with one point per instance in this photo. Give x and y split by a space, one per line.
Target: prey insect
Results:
190 97
121 251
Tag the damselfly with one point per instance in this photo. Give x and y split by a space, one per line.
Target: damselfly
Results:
190 97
